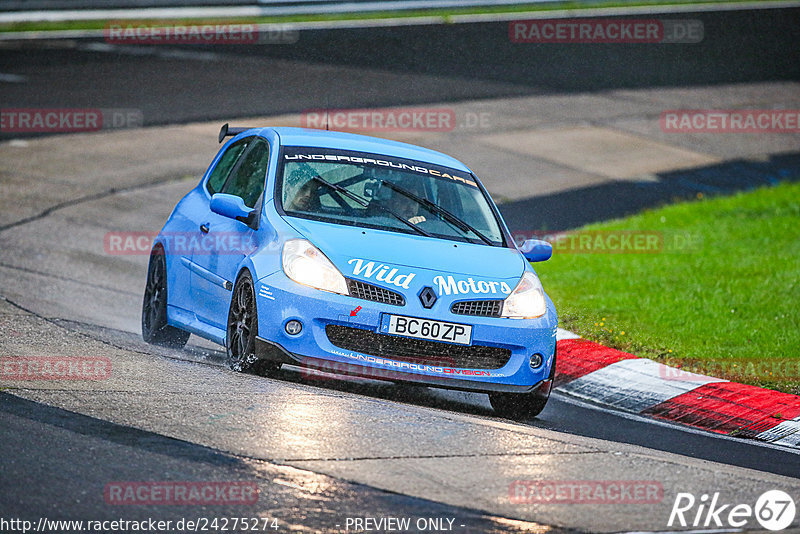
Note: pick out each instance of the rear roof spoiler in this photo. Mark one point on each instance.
(226, 131)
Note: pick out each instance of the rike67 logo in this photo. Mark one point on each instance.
(773, 510)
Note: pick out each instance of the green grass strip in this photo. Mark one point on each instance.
(728, 305)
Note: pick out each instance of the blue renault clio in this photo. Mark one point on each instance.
(356, 255)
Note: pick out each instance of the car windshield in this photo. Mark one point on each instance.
(388, 193)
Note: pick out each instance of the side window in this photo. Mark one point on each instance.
(247, 181)
(225, 164)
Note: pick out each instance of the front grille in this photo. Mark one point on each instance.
(363, 290)
(484, 308)
(417, 350)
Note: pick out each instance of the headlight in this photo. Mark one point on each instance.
(527, 299)
(306, 264)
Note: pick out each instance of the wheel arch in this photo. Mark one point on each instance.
(246, 265)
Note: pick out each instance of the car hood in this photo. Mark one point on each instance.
(372, 255)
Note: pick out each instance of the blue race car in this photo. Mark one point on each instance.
(356, 255)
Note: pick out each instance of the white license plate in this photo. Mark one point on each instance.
(428, 329)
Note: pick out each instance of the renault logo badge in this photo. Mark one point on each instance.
(427, 297)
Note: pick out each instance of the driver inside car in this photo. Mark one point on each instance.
(407, 207)
(399, 203)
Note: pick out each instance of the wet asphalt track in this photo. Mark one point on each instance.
(320, 450)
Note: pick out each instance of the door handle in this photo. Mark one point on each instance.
(204, 228)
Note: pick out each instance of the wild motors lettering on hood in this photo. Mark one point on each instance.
(381, 272)
(451, 286)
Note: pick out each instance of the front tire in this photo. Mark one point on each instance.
(524, 405)
(240, 338)
(155, 329)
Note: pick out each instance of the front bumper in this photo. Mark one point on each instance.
(281, 300)
(267, 350)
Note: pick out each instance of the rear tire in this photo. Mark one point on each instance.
(524, 405)
(240, 338)
(155, 329)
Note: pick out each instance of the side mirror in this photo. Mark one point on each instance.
(536, 250)
(231, 206)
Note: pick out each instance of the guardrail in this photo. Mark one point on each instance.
(302, 6)
(31, 5)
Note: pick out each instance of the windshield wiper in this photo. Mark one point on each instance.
(365, 203)
(452, 219)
